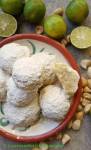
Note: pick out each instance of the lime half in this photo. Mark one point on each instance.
(81, 37)
(8, 25)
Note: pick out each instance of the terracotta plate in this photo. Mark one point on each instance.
(44, 128)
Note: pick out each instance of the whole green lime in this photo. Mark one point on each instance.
(77, 11)
(55, 26)
(13, 7)
(0, 4)
(34, 11)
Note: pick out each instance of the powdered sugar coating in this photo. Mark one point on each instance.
(3, 88)
(54, 102)
(9, 53)
(34, 71)
(19, 97)
(22, 116)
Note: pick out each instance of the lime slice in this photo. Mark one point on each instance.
(8, 25)
(81, 37)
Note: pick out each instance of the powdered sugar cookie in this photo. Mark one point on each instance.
(19, 97)
(9, 53)
(54, 102)
(22, 116)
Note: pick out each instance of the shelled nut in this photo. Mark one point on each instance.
(81, 99)
(59, 11)
(64, 42)
(68, 38)
(87, 90)
(80, 115)
(85, 102)
(39, 29)
(66, 138)
(89, 72)
(89, 83)
(79, 107)
(76, 125)
(84, 81)
(85, 63)
(87, 108)
(87, 96)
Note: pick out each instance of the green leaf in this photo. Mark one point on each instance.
(4, 122)
(21, 128)
(1, 109)
(33, 46)
(42, 49)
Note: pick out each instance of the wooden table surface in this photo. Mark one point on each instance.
(80, 140)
